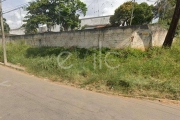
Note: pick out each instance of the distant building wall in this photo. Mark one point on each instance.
(55, 28)
(140, 37)
(102, 20)
(19, 31)
(95, 21)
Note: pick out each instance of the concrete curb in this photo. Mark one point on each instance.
(13, 66)
(161, 100)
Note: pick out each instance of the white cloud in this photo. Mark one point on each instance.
(14, 19)
(18, 16)
(9, 22)
(14, 24)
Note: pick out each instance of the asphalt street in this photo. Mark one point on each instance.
(25, 97)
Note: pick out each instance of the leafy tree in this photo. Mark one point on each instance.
(6, 26)
(70, 12)
(143, 14)
(122, 14)
(31, 25)
(168, 12)
(173, 26)
(52, 12)
(164, 9)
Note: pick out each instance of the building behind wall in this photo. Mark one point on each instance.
(18, 31)
(95, 22)
(87, 23)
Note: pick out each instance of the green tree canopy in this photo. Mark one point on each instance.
(143, 14)
(6, 26)
(54, 12)
(164, 9)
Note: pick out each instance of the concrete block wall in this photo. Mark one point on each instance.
(140, 37)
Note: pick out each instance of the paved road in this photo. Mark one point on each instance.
(24, 97)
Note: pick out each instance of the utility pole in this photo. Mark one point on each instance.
(3, 34)
(174, 23)
(132, 14)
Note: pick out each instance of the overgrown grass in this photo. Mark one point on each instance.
(153, 73)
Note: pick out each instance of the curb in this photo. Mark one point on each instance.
(161, 100)
(13, 66)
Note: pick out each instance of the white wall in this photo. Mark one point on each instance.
(20, 31)
(95, 21)
(140, 37)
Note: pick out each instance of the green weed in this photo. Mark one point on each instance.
(153, 73)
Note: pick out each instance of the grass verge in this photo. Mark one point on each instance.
(153, 73)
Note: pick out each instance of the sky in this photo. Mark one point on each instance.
(95, 8)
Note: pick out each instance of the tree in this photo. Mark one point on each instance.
(70, 12)
(143, 14)
(174, 23)
(6, 26)
(164, 9)
(54, 12)
(31, 25)
(122, 14)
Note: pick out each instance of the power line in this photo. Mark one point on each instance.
(17, 7)
(10, 8)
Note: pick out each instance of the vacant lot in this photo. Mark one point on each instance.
(153, 73)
